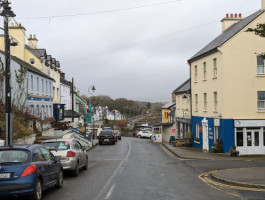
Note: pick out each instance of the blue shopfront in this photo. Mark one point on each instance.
(207, 130)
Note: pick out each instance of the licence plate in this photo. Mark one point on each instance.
(106, 140)
(5, 175)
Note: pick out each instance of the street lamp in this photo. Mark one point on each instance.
(7, 13)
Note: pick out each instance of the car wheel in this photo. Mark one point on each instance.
(139, 136)
(86, 165)
(76, 171)
(120, 138)
(113, 142)
(37, 195)
(150, 137)
(59, 183)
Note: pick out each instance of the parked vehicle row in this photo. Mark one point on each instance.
(31, 169)
(143, 134)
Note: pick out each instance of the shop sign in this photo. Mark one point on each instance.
(249, 123)
(216, 122)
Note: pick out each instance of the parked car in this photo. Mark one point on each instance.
(136, 133)
(28, 170)
(73, 155)
(144, 134)
(107, 137)
(117, 134)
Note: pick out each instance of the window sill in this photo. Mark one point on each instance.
(196, 111)
(196, 142)
(260, 75)
(204, 80)
(205, 111)
(260, 111)
(215, 111)
(214, 78)
(195, 81)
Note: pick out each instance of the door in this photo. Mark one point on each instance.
(253, 141)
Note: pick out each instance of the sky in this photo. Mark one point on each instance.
(134, 49)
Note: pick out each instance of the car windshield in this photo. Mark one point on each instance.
(58, 145)
(106, 132)
(11, 157)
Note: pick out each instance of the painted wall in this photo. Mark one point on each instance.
(66, 96)
(165, 115)
(183, 106)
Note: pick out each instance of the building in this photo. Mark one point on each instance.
(183, 110)
(168, 112)
(66, 95)
(228, 88)
(31, 88)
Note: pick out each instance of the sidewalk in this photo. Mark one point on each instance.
(197, 154)
(253, 177)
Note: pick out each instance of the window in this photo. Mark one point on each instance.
(31, 82)
(205, 101)
(260, 65)
(239, 138)
(197, 130)
(38, 110)
(47, 155)
(54, 92)
(57, 93)
(261, 100)
(204, 71)
(215, 68)
(42, 85)
(38, 85)
(195, 72)
(263, 136)
(37, 156)
(196, 102)
(215, 100)
(216, 132)
(249, 139)
(46, 87)
(256, 138)
(50, 89)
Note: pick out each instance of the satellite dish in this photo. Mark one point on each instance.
(32, 61)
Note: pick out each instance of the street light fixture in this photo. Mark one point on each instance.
(7, 13)
(93, 106)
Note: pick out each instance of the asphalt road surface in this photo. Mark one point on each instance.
(138, 169)
(135, 169)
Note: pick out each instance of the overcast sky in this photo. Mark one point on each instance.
(136, 49)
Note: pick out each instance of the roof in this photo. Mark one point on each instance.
(38, 52)
(29, 67)
(225, 36)
(168, 105)
(185, 87)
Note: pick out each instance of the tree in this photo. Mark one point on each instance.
(260, 31)
(148, 105)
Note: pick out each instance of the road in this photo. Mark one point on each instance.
(137, 169)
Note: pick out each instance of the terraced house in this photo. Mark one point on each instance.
(228, 88)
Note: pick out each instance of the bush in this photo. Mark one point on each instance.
(217, 146)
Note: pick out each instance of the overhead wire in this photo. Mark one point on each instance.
(101, 12)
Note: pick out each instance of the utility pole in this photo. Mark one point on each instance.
(73, 112)
(6, 13)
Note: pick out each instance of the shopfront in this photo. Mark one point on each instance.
(250, 136)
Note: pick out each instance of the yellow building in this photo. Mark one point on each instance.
(228, 88)
(29, 52)
(183, 111)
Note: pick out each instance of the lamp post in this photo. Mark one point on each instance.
(7, 13)
(93, 106)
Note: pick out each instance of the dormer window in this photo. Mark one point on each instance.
(260, 65)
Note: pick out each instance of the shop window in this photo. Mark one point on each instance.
(249, 139)
(216, 134)
(256, 135)
(239, 139)
(197, 131)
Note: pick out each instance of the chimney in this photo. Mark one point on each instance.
(32, 42)
(231, 19)
(17, 31)
(262, 4)
(62, 75)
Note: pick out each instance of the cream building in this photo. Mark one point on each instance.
(228, 88)
(183, 111)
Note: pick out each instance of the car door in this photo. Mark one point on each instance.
(77, 148)
(82, 153)
(52, 166)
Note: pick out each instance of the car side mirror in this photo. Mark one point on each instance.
(57, 158)
(85, 148)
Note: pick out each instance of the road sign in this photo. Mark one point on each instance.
(154, 137)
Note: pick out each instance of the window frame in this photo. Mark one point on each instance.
(205, 101)
(204, 71)
(258, 101)
(196, 73)
(215, 68)
(258, 66)
(215, 101)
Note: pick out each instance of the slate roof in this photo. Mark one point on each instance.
(168, 105)
(38, 52)
(185, 87)
(28, 66)
(225, 36)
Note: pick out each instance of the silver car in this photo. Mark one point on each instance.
(73, 155)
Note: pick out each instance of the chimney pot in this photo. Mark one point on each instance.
(19, 25)
(227, 15)
(30, 36)
(236, 15)
(231, 16)
(240, 15)
(34, 36)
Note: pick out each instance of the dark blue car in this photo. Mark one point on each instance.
(28, 170)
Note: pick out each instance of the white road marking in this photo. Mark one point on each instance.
(110, 192)
(115, 173)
